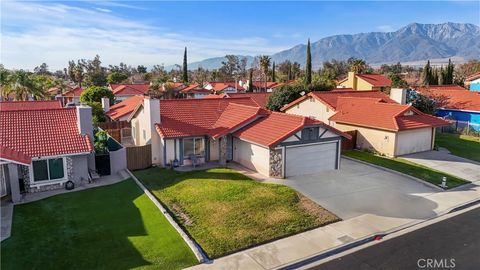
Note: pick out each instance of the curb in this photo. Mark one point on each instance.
(201, 256)
(396, 172)
(368, 239)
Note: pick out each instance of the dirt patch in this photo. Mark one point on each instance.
(322, 215)
(182, 215)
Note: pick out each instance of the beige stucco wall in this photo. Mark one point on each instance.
(412, 141)
(374, 139)
(252, 156)
(311, 107)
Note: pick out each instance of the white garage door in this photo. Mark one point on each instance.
(413, 141)
(311, 158)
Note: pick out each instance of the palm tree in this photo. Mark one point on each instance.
(265, 64)
(24, 85)
(358, 66)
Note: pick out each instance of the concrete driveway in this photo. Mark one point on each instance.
(358, 189)
(444, 161)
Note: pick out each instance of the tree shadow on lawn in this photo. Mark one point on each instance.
(96, 228)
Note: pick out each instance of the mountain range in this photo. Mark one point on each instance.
(414, 42)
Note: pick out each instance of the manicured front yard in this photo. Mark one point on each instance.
(460, 145)
(225, 211)
(407, 167)
(111, 227)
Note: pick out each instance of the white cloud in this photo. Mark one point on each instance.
(386, 28)
(103, 10)
(35, 32)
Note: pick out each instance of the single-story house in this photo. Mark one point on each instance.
(43, 146)
(382, 125)
(71, 96)
(195, 91)
(123, 91)
(472, 82)
(366, 82)
(194, 131)
(224, 87)
(259, 98)
(456, 103)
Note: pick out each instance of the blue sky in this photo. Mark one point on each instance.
(155, 32)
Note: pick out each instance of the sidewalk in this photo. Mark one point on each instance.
(326, 240)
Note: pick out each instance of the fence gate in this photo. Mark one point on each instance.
(102, 164)
(139, 157)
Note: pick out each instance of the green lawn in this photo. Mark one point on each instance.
(225, 211)
(111, 227)
(460, 145)
(407, 167)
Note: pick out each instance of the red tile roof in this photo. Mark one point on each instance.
(453, 97)
(259, 98)
(125, 107)
(375, 79)
(210, 96)
(220, 86)
(473, 77)
(194, 88)
(271, 85)
(330, 98)
(129, 89)
(276, 127)
(47, 132)
(375, 113)
(29, 105)
(75, 92)
(195, 117)
(15, 156)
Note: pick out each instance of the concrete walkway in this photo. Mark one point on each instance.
(331, 238)
(7, 206)
(444, 161)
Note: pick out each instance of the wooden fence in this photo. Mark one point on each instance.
(139, 157)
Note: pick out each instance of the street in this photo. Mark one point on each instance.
(450, 244)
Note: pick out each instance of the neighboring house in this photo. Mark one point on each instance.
(195, 91)
(43, 146)
(71, 96)
(224, 87)
(472, 82)
(366, 82)
(121, 111)
(186, 131)
(124, 91)
(260, 86)
(456, 103)
(259, 98)
(382, 124)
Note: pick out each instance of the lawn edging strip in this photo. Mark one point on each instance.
(397, 172)
(199, 254)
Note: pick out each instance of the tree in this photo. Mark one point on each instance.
(397, 81)
(141, 69)
(23, 84)
(428, 76)
(76, 71)
(273, 72)
(308, 65)
(250, 80)
(185, 68)
(95, 94)
(284, 95)
(334, 69)
(95, 74)
(230, 67)
(42, 69)
(422, 102)
(265, 64)
(116, 77)
(464, 70)
(357, 65)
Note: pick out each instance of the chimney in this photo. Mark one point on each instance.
(105, 104)
(151, 107)
(399, 95)
(85, 127)
(352, 80)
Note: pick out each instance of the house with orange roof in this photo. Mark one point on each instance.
(123, 91)
(195, 91)
(44, 146)
(71, 96)
(224, 87)
(472, 82)
(366, 82)
(188, 132)
(381, 124)
(259, 98)
(455, 103)
(122, 110)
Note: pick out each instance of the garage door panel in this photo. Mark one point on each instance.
(310, 159)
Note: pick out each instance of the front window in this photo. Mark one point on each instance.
(193, 146)
(48, 169)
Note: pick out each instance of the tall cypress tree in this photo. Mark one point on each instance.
(185, 68)
(427, 74)
(308, 65)
(250, 80)
(273, 72)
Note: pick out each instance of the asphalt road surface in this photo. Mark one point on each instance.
(453, 243)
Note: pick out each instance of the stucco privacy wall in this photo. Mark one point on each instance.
(311, 107)
(118, 160)
(252, 156)
(416, 140)
(373, 139)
